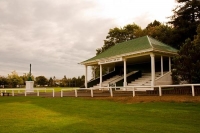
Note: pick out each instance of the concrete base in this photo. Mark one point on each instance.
(29, 86)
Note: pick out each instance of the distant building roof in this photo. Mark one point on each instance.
(135, 46)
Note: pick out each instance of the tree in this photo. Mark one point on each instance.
(14, 79)
(154, 24)
(54, 81)
(41, 80)
(161, 32)
(187, 63)
(118, 35)
(50, 82)
(185, 20)
(64, 81)
(3, 81)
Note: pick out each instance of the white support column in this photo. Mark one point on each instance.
(161, 65)
(152, 69)
(125, 81)
(100, 84)
(169, 64)
(85, 76)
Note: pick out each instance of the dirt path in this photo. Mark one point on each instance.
(141, 99)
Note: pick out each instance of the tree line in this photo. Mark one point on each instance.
(181, 32)
(13, 80)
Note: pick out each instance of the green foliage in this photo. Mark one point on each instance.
(153, 24)
(118, 35)
(3, 81)
(187, 63)
(50, 82)
(41, 80)
(185, 20)
(160, 32)
(14, 79)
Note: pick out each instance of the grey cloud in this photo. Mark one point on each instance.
(52, 35)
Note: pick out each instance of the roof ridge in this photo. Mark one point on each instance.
(162, 42)
(149, 41)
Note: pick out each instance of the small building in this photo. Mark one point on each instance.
(143, 61)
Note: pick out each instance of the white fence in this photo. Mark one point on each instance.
(134, 89)
(38, 90)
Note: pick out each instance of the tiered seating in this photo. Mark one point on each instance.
(145, 80)
(113, 80)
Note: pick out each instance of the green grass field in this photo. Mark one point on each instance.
(85, 115)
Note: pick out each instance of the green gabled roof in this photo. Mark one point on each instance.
(135, 45)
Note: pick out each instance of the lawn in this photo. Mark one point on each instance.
(86, 115)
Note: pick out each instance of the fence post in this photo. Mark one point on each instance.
(92, 92)
(38, 92)
(53, 92)
(193, 94)
(111, 92)
(25, 93)
(133, 91)
(12, 92)
(160, 91)
(76, 94)
(61, 95)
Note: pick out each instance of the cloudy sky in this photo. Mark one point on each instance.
(55, 35)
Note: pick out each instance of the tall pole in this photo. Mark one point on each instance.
(30, 69)
(29, 78)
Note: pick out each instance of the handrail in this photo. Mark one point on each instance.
(120, 78)
(99, 77)
(162, 76)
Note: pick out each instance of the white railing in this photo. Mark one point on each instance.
(26, 92)
(38, 91)
(13, 91)
(134, 88)
(91, 90)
